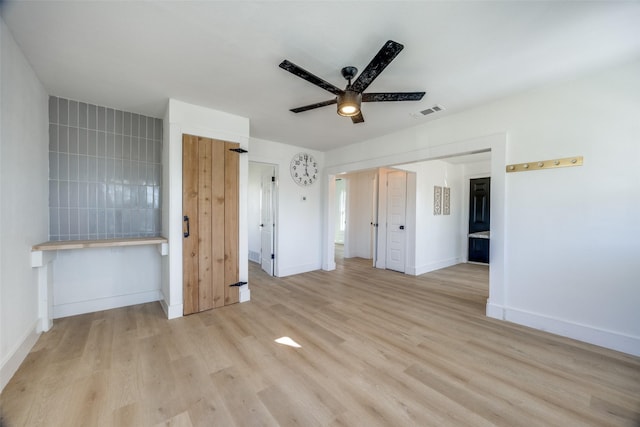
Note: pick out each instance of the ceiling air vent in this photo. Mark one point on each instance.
(432, 110)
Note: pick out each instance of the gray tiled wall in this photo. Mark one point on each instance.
(105, 172)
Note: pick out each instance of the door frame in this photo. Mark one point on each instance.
(181, 118)
(406, 231)
(274, 226)
(354, 185)
(496, 144)
(380, 243)
(211, 200)
(464, 240)
(375, 217)
(274, 200)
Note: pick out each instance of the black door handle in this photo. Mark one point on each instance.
(186, 219)
(402, 227)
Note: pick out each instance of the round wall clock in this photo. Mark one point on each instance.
(304, 169)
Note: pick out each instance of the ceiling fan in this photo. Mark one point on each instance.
(352, 96)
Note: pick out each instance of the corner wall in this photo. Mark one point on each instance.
(254, 202)
(299, 210)
(569, 236)
(104, 183)
(181, 118)
(24, 195)
(437, 237)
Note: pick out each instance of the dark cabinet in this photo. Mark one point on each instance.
(478, 250)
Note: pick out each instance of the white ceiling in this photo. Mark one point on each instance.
(134, 55)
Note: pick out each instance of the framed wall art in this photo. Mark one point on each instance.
(446, 201)
(437, 200)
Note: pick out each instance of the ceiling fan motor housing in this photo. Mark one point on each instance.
(349, 73)
(349, 103)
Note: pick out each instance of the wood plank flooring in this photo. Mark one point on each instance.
(378, 348)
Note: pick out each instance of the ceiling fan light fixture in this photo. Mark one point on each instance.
(349, 100)
(349, 103)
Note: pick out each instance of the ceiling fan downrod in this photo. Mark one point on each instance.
(349, 73)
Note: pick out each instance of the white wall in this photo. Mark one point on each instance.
(182, 118)
(299, 222)
(480, 169)
(570, 236)
(24, 169)
(437, 237)
(89, 280)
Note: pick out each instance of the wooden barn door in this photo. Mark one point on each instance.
(210, 190)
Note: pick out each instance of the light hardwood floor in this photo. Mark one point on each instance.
(377, 349)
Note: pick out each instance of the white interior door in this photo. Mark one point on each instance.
(396, 219)
(267, 222)
(374, 219)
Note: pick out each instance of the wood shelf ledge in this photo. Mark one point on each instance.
(104, 243)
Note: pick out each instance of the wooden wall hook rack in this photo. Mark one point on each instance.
(546, 164)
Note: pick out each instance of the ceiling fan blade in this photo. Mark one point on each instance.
(358, 118)
(392, 96)
(316, 105)
(379, 62)
(304, 74)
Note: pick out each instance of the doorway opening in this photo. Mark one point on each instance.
(262, 215)
(410, 231)
(356, 215)
(479, 219)
(372, 218)
(341, 217)
(494, 146)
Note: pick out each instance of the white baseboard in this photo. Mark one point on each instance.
(589, 334)
(173, 311)
(245, 293)
(495, 311)
(329, 266)
(426, 268)
(16, 356)
(254, 256)
(297, 269)
(81, 307)
(177, 310)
